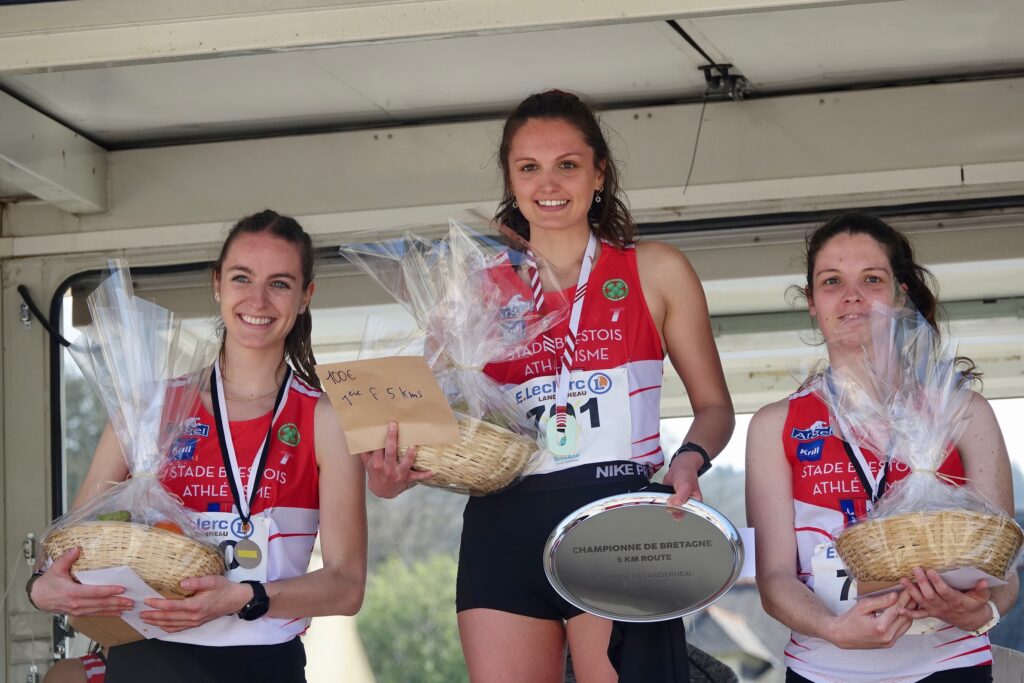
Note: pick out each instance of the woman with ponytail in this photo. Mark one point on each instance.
(635, 303)
(263, 459)
(806, 478)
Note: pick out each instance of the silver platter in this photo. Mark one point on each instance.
(628, 558)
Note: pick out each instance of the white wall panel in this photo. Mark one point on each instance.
(113, 32)
(923, 143)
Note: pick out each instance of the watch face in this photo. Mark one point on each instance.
(258, 606)
(254, 610)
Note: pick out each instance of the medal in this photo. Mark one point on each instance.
(562, 431)
(564, 441)
(247, 553)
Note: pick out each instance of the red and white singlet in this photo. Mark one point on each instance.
(95, 668)
(615, 386)
(286, 507)
(827, 495)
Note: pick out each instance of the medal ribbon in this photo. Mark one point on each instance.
(242, 495)
(563, 365)
(874, 484)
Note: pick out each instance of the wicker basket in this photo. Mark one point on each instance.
(888, 549)
(160, 558)
(486, 459)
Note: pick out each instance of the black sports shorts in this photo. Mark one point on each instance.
(158, 661)
(967, 674)
(501, 562)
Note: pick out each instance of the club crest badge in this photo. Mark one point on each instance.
(615, 289)
(288, 434)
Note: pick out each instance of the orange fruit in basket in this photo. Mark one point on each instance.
(168, 525)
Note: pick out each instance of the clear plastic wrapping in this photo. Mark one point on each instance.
(148, 372)
(471, 298)
(905, 399)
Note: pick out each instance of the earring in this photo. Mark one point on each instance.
(216, 297)
(515, 204)
(597, 196)
(302, 309)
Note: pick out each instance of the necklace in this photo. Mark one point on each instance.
(245, 399)
(249, 398)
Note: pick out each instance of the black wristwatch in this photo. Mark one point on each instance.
(691, 446)
(28, 586)
(258, 606)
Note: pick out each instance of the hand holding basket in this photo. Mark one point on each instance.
(472, 301)
(148, 373)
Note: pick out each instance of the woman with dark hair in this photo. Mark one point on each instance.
(263, 455)
(632, 303)
(804, 481)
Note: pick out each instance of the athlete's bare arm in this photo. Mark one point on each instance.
(987, 467)
(56, 591)
(338, 587)
(108, 466)
(784, 596)
(677, 304)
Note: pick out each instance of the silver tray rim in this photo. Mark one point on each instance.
(642, 499)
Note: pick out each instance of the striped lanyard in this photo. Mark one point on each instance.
(563, 363)
(243, 495)
(874, 484)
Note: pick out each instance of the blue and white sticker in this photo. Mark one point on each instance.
(810, 451)
(818, 430)
(184, 449)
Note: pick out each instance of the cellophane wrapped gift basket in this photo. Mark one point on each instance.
(472, 299)
(147, 371)
(906, 400)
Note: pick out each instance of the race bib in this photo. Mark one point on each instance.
(244, 546)
(832, 584)
(925, 625)
(597, 423)
(837, 589)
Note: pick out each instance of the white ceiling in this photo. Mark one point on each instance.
(867, 44)
(383, 84)
(468, 76)
(139, 98)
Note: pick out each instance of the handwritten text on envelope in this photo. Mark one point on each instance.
(367, 394)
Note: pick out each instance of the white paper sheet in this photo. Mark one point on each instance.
(962, 579)
(136, 590)
(747, 534)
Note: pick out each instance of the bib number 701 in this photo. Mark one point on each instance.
(590, 407)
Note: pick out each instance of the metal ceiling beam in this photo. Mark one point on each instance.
(67, 35)
(802, 153)
(49, 161)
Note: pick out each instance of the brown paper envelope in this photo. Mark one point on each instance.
(868, 588)
(107, 631)
(367, 394)
(111, 631)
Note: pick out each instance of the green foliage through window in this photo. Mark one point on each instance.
(408, 624)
